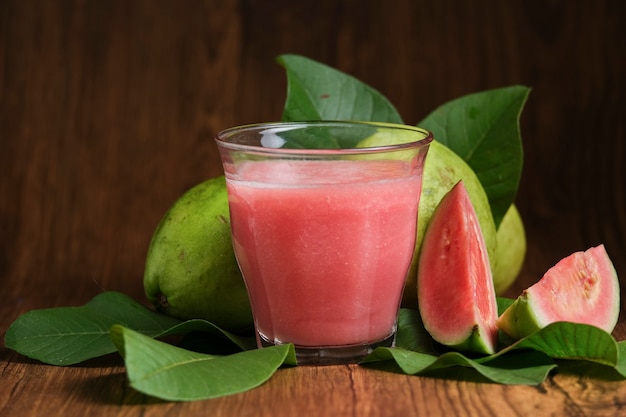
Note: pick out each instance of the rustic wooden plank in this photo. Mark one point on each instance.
(101, 388)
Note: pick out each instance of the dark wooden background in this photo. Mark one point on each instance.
(108, 108)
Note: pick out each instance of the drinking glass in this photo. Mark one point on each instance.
(323, 219)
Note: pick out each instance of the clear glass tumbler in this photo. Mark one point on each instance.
(323, 220)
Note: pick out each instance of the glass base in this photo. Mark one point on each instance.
(333, 355)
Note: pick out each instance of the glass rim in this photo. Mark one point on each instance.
(222, 136)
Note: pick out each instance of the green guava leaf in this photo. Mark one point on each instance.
(416, 353)
(168, 372)
(503, 303)
(571, 341)
(318, 92)
(621, 358)
(483, 129)
(411, 334)
(527, 361)
(69, 335)
(206, 327)
(530, 368)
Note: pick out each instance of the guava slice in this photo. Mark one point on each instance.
(455, 292)
(581, 288)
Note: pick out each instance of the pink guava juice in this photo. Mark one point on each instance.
(324, 246)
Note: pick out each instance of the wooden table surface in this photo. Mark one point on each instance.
(107, 109)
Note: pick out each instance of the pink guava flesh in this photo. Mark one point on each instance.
(455, 289)
(581, 288)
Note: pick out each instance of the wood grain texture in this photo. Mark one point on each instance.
(107, 112)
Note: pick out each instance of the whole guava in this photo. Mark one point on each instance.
(443, 169)
(510, 250)
(191, 271)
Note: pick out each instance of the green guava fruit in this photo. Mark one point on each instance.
(581, 288)
(510, 250)
(442, 171)
(455, 292)
(191, 271)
